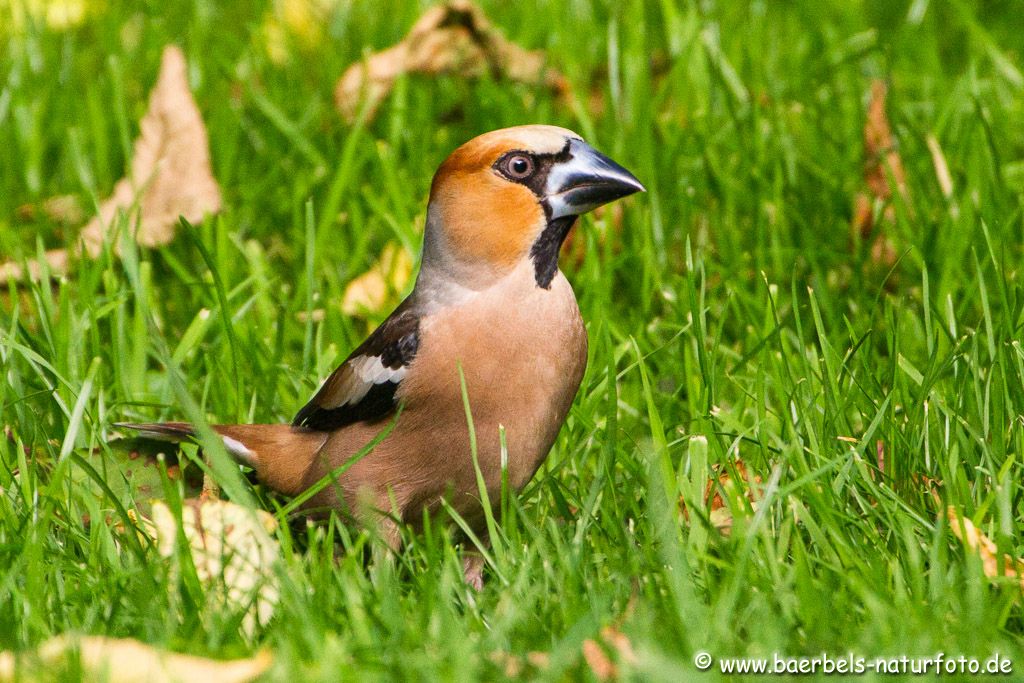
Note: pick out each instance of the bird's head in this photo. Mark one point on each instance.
(511, 196)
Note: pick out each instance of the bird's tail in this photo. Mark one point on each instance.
(279, 453)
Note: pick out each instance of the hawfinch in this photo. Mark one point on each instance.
(489, 302)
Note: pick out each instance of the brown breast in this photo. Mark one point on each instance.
(523, 351)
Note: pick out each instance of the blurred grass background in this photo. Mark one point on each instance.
(734, 315)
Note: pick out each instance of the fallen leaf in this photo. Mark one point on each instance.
(372, 291)
(882, 161)
(746, 486)
(597, 659)
(930, 486)
(55, 260)
(169, 175)
(170, 170)
(986, 548)
(64, 208)
(720, 513)
(125, 660)
(455, 37)
(233, 553)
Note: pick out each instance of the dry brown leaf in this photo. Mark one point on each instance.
(169, 175)
(986, 548)
(929, 485)
(381, 284)
(882, 160)
(455, 37)
(597, 659)
(63, 208)
(719, 512)
(748, 486)
(170, 171)
(124, 660)
(56, 261)
(233, 553)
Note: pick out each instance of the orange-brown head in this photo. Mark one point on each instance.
(510, 195)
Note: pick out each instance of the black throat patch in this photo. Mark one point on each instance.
(544, 252)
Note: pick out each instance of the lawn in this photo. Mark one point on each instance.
(869, 381)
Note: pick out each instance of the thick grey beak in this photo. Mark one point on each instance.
(586, 181)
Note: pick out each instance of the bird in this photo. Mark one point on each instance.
(490, 322)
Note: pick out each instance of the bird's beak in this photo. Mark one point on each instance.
(585, 181)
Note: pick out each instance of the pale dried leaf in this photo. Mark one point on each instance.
(169, 175)
(170, 170)
(986, 548)
(597, 659)
(452, 38)
(233, 553)
(372, 291)
(929, 485)
(63, 208)
(56, 263)
(748, 486)
(124, 660)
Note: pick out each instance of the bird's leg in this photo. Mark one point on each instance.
(473, 568)
(473, 562)
(390, 533)
(384, 556)
(374, 511)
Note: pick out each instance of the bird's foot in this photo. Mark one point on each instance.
(473, 569)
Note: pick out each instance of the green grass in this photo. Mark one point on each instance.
(732, 317)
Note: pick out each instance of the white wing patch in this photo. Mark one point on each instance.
(366, 371)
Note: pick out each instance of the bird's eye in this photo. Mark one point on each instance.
(519, 166)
